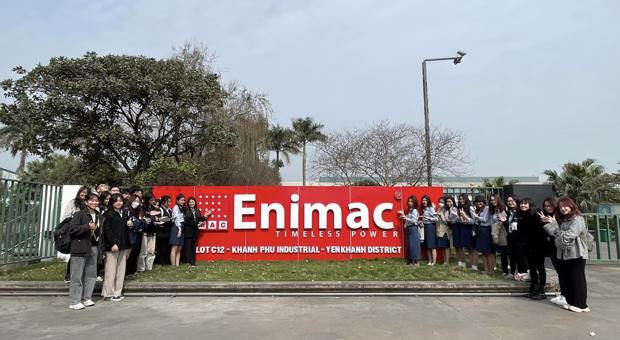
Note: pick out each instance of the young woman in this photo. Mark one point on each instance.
(116, 228)
(147, 250)
(162, 233)
(176, 233)
(192, 222)
(429, 219)
(549, 208)
(448, 214)
(568, 228)
(136, 214)
(535, 239)
(104, 200)
(412, 231)
(484, 216)
(462, 233)
(75, 205)
(85, 231)
(516, 247)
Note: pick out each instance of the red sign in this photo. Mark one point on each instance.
(298, 223)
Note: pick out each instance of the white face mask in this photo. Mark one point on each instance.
(135, 205)
(441, 204)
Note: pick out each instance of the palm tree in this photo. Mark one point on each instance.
(10, 136)
(587, 183)
(283, 142)
(497, 182)
(307, 131)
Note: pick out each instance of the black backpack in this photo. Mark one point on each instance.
(62, 239)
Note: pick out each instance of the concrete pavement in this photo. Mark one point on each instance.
(318, 317)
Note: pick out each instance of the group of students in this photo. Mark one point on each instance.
(520, 233)
(120, 233)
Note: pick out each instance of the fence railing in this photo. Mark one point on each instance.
(28, 214)
(472, 192)
(604, 227)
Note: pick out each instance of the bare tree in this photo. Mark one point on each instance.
(388, 154)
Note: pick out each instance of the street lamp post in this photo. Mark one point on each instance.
(427, 132)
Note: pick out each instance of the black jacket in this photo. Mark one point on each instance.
(115, 230)
(534, 235)
(163, 230)
(190, 224)
(81, 236)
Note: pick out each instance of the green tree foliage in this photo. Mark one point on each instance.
(122, 111)
(497, 182)
(587, 183)
(169, 172)
(282, 141)
(128, 113)
(307, 131)
(63, 169)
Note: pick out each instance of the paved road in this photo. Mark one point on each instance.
(318, 317)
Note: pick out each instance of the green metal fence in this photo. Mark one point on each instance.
(604, 227)
(28, 214)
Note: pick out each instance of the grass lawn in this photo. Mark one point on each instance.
(365, 270)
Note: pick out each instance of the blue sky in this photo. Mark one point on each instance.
(537, 88)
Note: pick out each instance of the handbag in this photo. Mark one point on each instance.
(499, 234)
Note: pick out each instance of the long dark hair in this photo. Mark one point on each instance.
(479, 198)
(499, 204)
(77, 201)
(531, 210)
(428, 200)
(415, 203)
(466, 206)
(137, 211)
(552, 202)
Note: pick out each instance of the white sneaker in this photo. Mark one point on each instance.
(99, 279)
(474, 268)
(559, 300)
(88, 303)
(578, 310)
(77, 306)
(117, 298)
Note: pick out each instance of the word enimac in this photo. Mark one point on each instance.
(358, 216)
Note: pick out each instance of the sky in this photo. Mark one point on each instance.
(538, 86)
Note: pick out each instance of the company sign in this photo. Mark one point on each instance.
(297, 223)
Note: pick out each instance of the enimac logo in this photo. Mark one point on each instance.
(358, 215)
(216, 204)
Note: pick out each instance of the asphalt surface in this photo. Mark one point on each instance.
(318, 317)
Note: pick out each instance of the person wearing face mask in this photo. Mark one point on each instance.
(136, 214)
(84, 230)
(116, 229)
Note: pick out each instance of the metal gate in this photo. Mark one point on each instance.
(28, 214)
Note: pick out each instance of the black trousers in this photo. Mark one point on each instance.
(162, 250)
(188, 254)
(556, 265)
(538, 275)
(572, 275)
(132, 260)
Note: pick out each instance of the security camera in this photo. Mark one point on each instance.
(461, 53)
